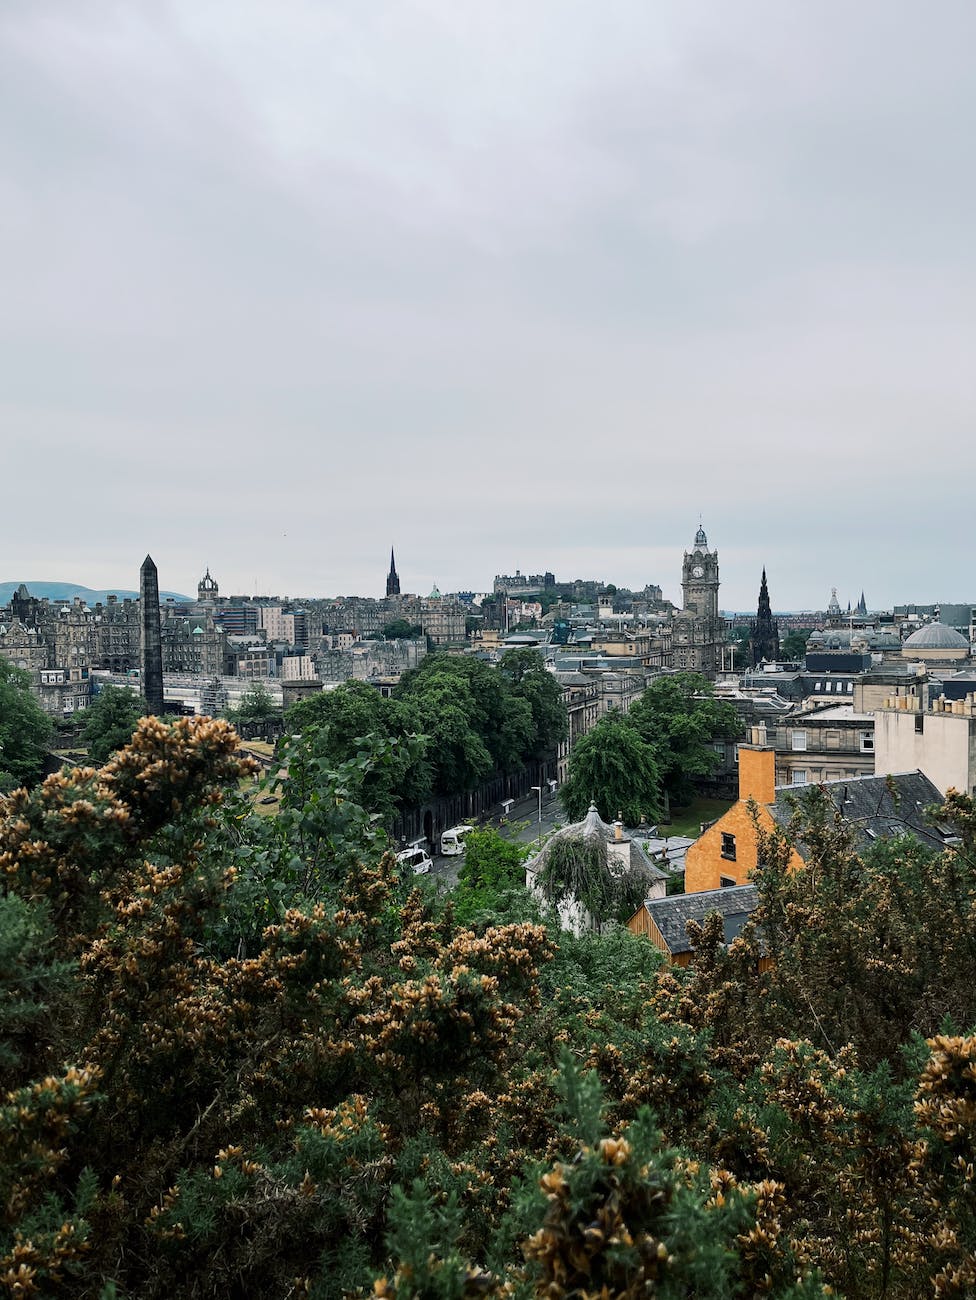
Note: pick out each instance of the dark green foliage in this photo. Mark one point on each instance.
(31, 976)
(110, 720)
(345, 1089)
(25, 729)
(402, 630)
(491, 869)
(615, 768)
(794, 644)
(255, 705)
(679, 717)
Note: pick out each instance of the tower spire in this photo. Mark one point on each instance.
(764, 630)
(392, 578)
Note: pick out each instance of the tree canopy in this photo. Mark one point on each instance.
(401, 629)
(679, 717)
(25, 729)
(255, 705)
(615, 768)
(110, 720)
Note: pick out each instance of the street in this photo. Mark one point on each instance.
(520, 823)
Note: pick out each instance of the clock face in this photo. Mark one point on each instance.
(698, 571)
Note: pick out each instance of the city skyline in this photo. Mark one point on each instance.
(517, 286)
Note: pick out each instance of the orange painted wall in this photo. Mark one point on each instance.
(704, 863)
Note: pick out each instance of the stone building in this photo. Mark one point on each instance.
(56, 645)
(193, 645)
(698, 631)
(939, 737)
(117, 630)
(442, 619)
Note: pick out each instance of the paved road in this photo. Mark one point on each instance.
(520, 823)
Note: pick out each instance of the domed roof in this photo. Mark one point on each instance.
(936, 636)
(700, 538)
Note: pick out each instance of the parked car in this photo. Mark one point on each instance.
(417, 859)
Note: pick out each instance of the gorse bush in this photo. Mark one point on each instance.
(238, 1060)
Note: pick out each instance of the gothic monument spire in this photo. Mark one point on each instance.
(763, 630)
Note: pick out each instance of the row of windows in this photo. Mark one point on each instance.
(803, 776)
(865, 739)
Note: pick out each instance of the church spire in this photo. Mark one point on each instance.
(392, 578)
(764, 630)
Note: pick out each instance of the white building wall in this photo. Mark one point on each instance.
(942, 745)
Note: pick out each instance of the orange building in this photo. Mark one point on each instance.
(876, 807)
(665, 920)
(726, 854)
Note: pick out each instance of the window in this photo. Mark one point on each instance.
(919, 724)
(798, 775)
(866, 739)
(727, 882)
(799, 739)
(728, 846)
(850, 688)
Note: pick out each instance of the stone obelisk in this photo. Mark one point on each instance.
(152, 641)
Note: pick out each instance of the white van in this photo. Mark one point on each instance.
(452, 841)
(416, 858)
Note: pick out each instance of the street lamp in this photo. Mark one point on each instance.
(539, 788)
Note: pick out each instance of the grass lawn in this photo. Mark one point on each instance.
(687, 821)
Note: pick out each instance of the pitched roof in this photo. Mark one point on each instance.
(593, 829)
(876, 807)
(671, 915)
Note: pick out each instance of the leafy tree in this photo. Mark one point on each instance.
(110, 720)
(255, 705)
(613, 767)
(679, 717)
(338, 726)
(354, 1090)
(492, 867)
(401, 629)
(475, 723)
(794, 644)
(529, 680)
(24, 729)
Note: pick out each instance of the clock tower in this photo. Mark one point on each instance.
(698, 628)
(699, 579)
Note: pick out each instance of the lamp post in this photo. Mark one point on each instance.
(539, 789)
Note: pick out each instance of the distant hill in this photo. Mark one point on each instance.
(68, 590)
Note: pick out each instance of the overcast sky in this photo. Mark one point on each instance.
(525, 283)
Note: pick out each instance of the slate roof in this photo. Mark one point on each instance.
(877, 807)
(594, 828)
(671, 915)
